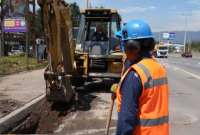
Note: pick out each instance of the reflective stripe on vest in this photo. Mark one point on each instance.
(153, 122)
(155, 82)
(152, 82)
(146, 71)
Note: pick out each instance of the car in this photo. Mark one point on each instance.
(186, 55)
(16, 49)
(177, 51)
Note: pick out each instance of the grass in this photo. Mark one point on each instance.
(18, 63)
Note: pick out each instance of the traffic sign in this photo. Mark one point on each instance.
(168, 35)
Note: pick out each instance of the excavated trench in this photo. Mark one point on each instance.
(46, 116)
(7, 106)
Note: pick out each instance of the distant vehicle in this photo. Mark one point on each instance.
(177, 50)
(162, 51)
(187, 54)
(16, 49)
(187, 51)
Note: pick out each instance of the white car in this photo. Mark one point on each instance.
(16, 50)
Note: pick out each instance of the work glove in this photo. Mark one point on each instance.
(113, 89)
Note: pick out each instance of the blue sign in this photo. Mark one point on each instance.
(169, 35)
(172, 35)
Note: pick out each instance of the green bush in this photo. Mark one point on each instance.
(18, 63)
(196, 46)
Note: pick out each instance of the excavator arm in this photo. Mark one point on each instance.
(57, 26)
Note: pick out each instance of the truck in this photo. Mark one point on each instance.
(162, 50)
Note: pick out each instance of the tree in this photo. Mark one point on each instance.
(76, 15)
(38, 23)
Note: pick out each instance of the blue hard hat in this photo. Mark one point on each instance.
(118, 34)
(136, 29)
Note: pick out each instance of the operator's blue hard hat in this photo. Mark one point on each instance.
(118, 34)
(136, 29)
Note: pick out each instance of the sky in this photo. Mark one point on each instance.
(162, 15)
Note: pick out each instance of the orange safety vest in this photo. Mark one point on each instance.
(153, 102)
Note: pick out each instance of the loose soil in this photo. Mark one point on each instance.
(7, 106)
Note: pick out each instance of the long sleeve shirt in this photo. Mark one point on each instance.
(127, 117)
(131, 90)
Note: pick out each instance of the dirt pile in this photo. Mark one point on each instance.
(7, 106)
(44, 119)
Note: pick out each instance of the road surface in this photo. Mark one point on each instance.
(184, 82)
(18, 89)
(89, 117)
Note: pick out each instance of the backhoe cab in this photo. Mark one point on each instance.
(97, 38)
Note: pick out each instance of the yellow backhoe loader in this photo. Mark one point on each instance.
(70, 62)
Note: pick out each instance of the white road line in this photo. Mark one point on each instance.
(74, 116)
(192, 117)
(60, 128)
(92, 131)
(187, 72)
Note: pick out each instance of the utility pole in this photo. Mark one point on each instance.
(185, 34)
(159, 37)
(87, 3)
(32, 34)
(2, 33)
(27, 33)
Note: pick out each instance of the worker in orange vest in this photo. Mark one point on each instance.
(142, 94)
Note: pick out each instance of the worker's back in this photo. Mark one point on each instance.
(153, 102)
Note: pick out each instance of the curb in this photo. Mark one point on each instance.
(14, 118)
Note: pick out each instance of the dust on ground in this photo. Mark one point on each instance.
(91, 119)
(45, 118)
(84, 116)
(23, 87)
(18, 89)
(7, 106)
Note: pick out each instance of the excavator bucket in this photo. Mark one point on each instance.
(58, 29)
(58, 88)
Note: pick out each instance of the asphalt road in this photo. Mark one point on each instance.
(184, 82)
(90, 115)
(19, 89)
